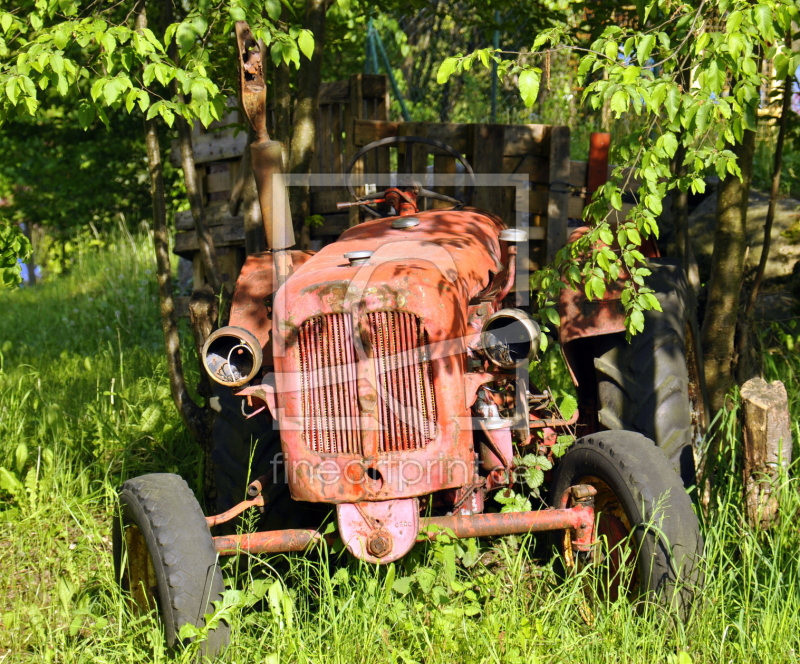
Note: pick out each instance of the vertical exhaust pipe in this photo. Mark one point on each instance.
(267, 154)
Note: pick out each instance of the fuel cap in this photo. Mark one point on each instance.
(358, 257)
(401, 223)
(513, 235)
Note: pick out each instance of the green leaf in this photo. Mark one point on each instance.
(637, 320)
(567, 406)
(529, 85)
(12, 90)
(446, 70)
(85, 114)
(733, 22)
(5, 21)
(305, 41)
(619, 102)
(673, 102)
(273, 8)
(644, 48)
(670, 144)
(762, 13)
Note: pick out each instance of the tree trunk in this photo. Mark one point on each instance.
(727, 271)
(282, 131)
(205, 240)
(304, 134)
(750, 364)
(194, 418)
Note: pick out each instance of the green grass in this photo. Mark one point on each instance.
(84, 404)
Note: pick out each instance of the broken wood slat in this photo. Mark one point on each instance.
(558, 202)
(224, 236)
(767, 447)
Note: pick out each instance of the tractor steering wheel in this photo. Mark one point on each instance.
(422, 192)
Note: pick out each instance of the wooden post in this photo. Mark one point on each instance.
(767, 443)
(558, 202)
(352, 112)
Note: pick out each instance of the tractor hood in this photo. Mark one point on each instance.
(369, 356)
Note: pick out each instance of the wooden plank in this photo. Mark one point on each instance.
(224, 236)
(523, 140)
(324, 201)
(219, 181)
(334, 92)
(216, 215)
(367, 131)
(353, 113)
(488, 158)
(373, 86)
(214, 146)
(457, 136)
(558, 203)
(336, 138)
(443, 165)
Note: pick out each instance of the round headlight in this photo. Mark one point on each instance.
(232, 356)
(510, 338)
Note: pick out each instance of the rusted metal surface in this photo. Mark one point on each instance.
(267, 155)
(597, 166)
(251, 307)
(579, 518)
(413, 296)
(234, 511)
(252, 87)
(379, 532)
(386, 531)
(271, 541)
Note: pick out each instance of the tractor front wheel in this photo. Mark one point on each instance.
(648, 537)
(164, 556)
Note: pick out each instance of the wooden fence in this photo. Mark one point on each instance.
(352, 113)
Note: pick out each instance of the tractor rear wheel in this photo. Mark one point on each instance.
(164, 556)
(654, 384)
(649, 541)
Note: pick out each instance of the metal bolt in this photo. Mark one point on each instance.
(379, 545)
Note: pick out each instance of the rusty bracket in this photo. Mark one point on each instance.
(235, 511)
(252, 86)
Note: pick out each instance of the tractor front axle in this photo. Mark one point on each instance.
(579, 518)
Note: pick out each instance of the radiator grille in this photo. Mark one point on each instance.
(405, 383)
(406, 404)
(330, 397)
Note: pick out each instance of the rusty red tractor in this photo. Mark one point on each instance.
(385, 377)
